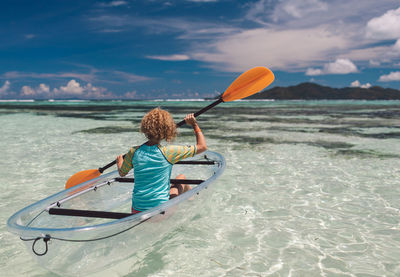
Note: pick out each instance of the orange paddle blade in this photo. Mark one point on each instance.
(250, 82)
(81, 177)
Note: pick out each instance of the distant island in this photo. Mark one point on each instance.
(312, 91)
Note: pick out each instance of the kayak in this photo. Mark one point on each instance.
(89, 227)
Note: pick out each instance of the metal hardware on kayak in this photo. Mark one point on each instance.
(79, 192)
(119, 180)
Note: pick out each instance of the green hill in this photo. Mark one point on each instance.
(312, 91)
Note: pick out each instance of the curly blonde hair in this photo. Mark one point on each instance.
(158, 124)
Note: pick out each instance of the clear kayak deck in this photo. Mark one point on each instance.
(92, 228)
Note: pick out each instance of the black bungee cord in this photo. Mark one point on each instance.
(47, 238)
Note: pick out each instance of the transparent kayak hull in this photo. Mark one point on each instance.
(77, 246)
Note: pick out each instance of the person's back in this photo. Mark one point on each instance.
(152, 174)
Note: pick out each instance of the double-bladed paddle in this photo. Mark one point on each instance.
(249, 83)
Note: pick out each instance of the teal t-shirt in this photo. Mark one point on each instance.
(152, 166)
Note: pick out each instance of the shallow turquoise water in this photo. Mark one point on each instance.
(311, 188)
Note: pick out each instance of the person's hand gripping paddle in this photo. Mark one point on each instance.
(249, 83)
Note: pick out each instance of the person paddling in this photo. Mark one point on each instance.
(152, 163)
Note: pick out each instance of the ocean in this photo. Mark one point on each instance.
(311, 188)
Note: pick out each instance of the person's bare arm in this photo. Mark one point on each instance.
(120, 160)
(200, 139)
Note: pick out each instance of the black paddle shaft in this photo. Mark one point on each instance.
(203, 110)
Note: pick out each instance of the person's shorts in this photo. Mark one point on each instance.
(135, 211)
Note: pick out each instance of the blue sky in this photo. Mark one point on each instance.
(192, 48)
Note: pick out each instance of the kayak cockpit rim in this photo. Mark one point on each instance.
(129, 180)
(103, 214)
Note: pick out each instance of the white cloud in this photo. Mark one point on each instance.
(43, 88)
(300, 9)
(92, 92)
(396, 46)
(27, 91)
(111, 31)
(386, 26)
(118, 3)
(131, 94)
(5, 87)
(22, 75)
(357, 84)
(126, 77)
(95, 75)
(342, 15)
(314, 72)
(176, 57)
(300, 34)
(289, 35)
(374, 63)
(379, 55)
(73, 87)
(186, 29)
(278, 49)
(392, 76)
(30, 36)
(202, 1)
(340, 66)
(114, 4)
